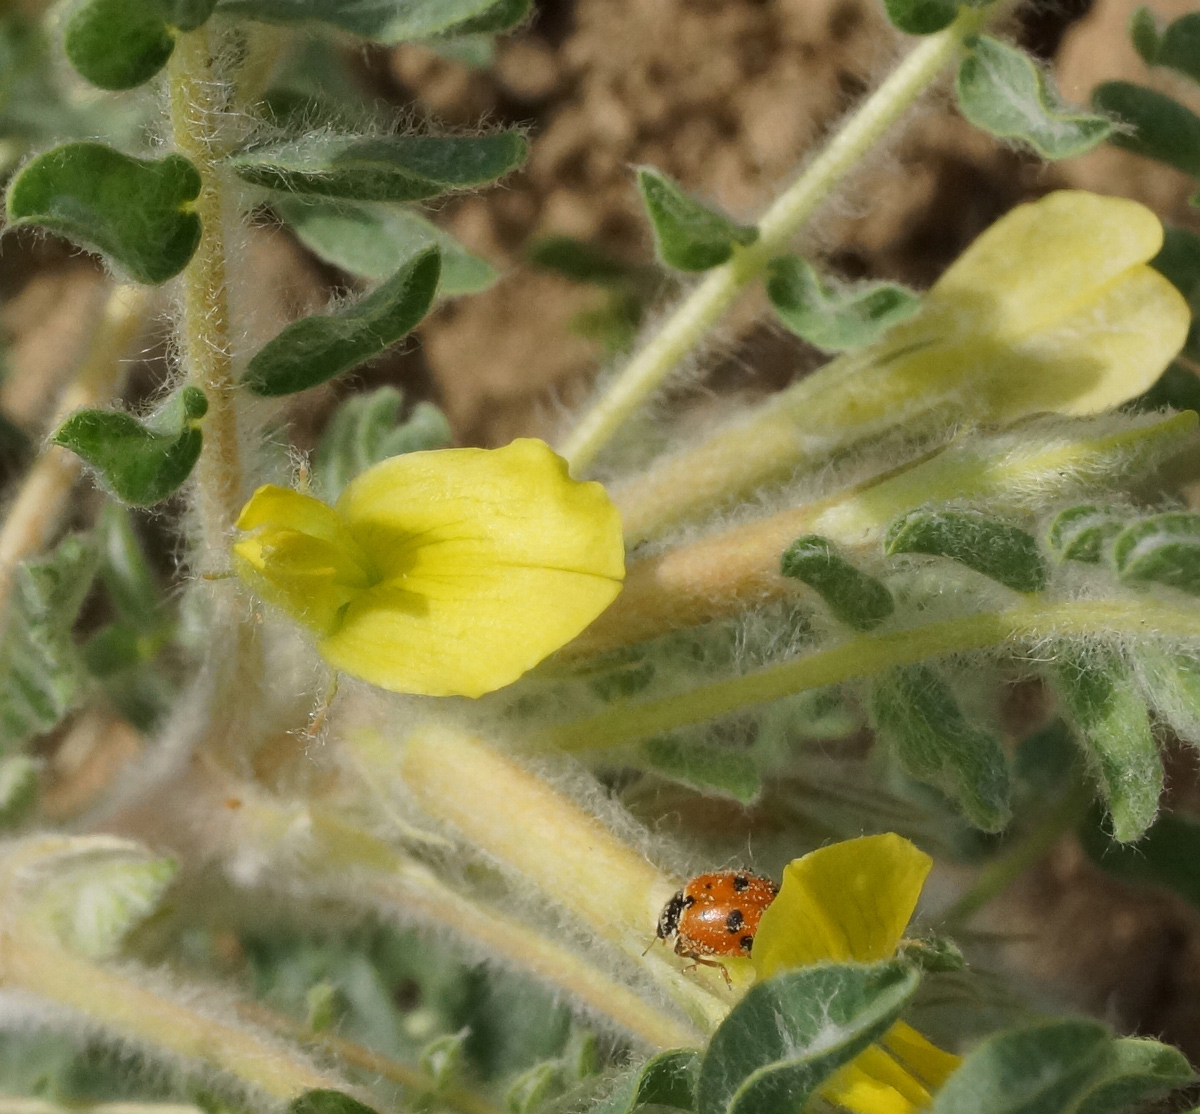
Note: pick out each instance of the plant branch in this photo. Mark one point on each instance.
(705, 305)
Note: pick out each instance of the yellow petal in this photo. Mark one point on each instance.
(855, 1089)
(849, 902)
(490, 559)
(285, 509)
(919, 1057)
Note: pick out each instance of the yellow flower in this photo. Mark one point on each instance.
(445, 573)
(850, 903)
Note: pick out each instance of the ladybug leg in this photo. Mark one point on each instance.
(699, 960)
(656, 940)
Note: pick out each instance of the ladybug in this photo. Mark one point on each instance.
(716, 914)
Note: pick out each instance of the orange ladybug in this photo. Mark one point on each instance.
(716, 914)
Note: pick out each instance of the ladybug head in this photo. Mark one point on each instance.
(668, 921)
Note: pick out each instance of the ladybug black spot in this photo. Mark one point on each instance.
(747, 942)
(734, 921)
(708, 885)
(741, 882)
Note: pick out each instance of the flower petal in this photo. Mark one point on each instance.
(849, 902)
(285, 509)
(920, 1057)
(491, 559)
(856, 1089)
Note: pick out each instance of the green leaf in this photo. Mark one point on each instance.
(1110, 717)
(579, 261)
(835, 317)
(380, 168)
(856, 599)
(916, 712)
(1161, 549)
(118, 44)
(1171, 682)
(996, 549)
(1179, 262)
(139, 462)
(1082, 533)
(1004, 92)
(1143, 32)
(126, 572)
(790, 1033)
(366, 429)
(1167, 856)
(1138, 1070)
(328, 1102)
(187, 15)
(932, 954)
(41, 674)
(668, 1079)
(388, 21)
(315, 349)
(707, 768)
(136, 211)
(1179, 46)
(1038, 1069)
(921, 17)
(534, 1087)
(441, 1058)
(373, 240)
(1158, 127)
(19, 790)
(689, 236)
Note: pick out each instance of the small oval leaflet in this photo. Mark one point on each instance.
(668, 1079)
(136, 211)
(315, 349)
(380, 168)
(1161, 549)
(118, 44)
(689, 236)
(999, 550)
(1159, 127)
(855, 598)
(1081, 533)
(140, 462)
(791, 1032)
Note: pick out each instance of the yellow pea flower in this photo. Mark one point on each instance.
(850, 903)
(442, 573)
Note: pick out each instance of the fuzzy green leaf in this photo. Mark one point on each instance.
(315, 349)
(19, 789)
(125, 570)
(916, 712)
(689, 236)
(388, 21)
(41, 674)
(1143, 32)
(856, 599)
(668, 1079)
(373, 240)
(136, 211)
(832, 317)
(1179, 263)
(1038, 1069)
(366, 429)
(118, 44)
(441, 1058)
(1179, 46)
(328, 1102)
(790, 1033)
(1158, 127)
(1137, 1070)
(380, 168)
(1171, 682)
(1004, 92)
(1082, 533)
(1168, 856)
(707, 768)
(996, 549)
(1111, 719)
(579, 261)
(534, 1087)
(139, 462)
(924, 17)
(1161, 549)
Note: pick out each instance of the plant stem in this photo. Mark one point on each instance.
(204, 333)
(1016, 859)
(42, 498)
(703, 307)
(870, 654)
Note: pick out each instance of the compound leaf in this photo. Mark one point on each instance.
(137, 211)
(139, 462)
(1004, 92)
(380, 168)
(315, 349)
(689, 236)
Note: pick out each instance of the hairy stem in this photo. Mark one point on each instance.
(869, 654)
(706, 304)
(204, 334)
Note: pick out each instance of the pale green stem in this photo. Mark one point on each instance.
(12, 1104)
(700, 311)
(869, 654)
